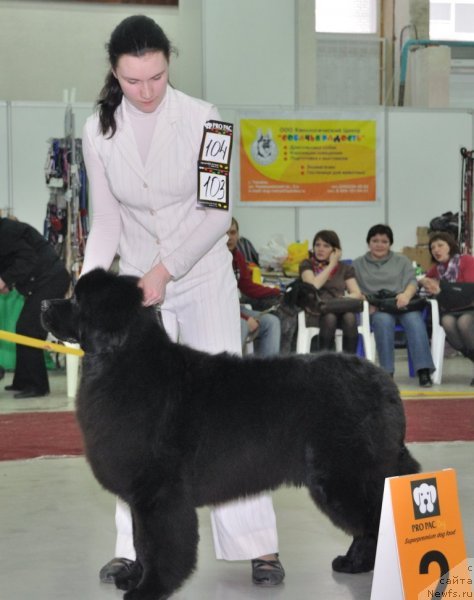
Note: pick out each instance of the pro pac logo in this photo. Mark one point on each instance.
(425, 498)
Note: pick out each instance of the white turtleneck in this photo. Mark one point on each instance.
(143, 125)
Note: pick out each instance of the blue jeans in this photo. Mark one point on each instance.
(383, 325)
(267, 342)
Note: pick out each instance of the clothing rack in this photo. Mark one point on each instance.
(66, 224)
(466, 213)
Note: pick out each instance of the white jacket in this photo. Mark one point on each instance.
(148, 213)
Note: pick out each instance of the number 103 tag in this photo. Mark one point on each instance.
(213, 188)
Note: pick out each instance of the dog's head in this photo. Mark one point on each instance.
(302, 295)
(99, 314)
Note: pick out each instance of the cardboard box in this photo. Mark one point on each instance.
(419, 254)
(409, 252)
(423, 257)
(422, 236)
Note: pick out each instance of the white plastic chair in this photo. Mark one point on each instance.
(73, 363)
(438, 338)
(306, 334)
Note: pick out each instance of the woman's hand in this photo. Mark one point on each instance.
(335, 257)
(153, 285)
(252, 324)
(403, 299)
(430, 285)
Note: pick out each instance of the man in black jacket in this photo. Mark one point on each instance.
(30, 264)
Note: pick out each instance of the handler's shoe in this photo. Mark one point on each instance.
(116, 566)
(2, 372)
(267, 572)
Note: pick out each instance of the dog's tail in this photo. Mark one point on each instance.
(407, 465)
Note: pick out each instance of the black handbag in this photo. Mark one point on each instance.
(386, 301)
(304, 295)
(339, 306)
(455, 296)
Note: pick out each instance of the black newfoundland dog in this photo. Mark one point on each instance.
(169, 429)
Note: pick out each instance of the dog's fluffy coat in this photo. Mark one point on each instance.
(168, 429)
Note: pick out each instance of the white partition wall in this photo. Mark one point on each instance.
(422, 175)
(249, 52)
(4, 145)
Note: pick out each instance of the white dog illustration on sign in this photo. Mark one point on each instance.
(264, 150)
(424, 496)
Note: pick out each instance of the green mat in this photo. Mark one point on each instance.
(10, 309)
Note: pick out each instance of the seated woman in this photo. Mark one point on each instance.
(453, 267)
(382, 269)
(332, 279)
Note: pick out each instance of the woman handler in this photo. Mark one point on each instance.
(141, 152)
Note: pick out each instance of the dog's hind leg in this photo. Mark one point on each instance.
(347, 502)
(165, 537)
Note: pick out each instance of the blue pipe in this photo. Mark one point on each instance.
(404, 59)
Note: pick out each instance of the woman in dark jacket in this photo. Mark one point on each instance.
(333, 279)
(30, 264)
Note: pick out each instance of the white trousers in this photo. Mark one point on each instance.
(202, 311)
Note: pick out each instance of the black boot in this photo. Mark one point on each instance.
(326, 344)
(349, 344)
(2, 372)
(424, 378)
(470, 355)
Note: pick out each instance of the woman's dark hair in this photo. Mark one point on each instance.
(380, 230)
(135, 35)
(328, 236)
(445, 237)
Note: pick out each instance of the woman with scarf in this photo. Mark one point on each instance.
(332, 278)
(453, 267)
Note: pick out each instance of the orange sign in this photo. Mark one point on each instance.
(298, 160)
(421, 525)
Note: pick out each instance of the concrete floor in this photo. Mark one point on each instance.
(57, 526)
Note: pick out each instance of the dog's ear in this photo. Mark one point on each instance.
(107, 304)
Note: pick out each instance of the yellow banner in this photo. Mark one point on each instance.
(308, 160)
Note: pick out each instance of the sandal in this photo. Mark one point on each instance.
(267, 572)
(116, 566)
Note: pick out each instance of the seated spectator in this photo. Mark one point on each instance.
(260, 297)
(378, 269)
(248, 250)
(453, 267)
(332, 279)
(264, 329)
